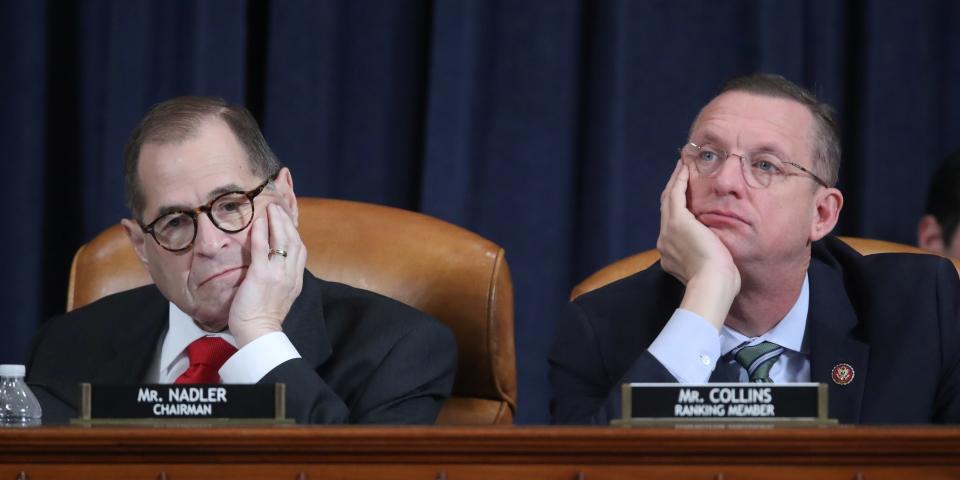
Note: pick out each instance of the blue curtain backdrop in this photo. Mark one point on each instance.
(548, 126)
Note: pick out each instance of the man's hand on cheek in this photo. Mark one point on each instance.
(695, 255)
(273, 281)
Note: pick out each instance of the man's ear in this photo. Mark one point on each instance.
(828, 203)
(137, 238)
(284, 187)
(930, 235)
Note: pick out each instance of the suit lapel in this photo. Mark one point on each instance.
(135, 344)
(725, 372)
(305, 325)
(830, 338)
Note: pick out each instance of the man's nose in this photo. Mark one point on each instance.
(729, 178)
(210, 239)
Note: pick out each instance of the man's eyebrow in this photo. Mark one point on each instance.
(231, 187)
(710, 139)
(771, 148)
(165, 209)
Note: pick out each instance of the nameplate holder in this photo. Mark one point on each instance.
(724, 403)
(191, 405)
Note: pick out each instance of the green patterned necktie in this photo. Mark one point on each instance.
(757, 359)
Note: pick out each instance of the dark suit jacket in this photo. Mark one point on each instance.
(365, 358)
(892, 317)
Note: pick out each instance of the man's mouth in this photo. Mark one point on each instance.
(221, 273)
(721, 216)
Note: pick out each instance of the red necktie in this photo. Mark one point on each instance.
(207, 355)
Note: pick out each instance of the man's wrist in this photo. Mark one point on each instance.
(688, 347)
(259, 357)
(710, 296)
(248, 333)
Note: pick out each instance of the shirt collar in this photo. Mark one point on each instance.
(788, 333)
(181, 332)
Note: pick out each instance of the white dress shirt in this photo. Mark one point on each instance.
(248, 365)
(689, 347)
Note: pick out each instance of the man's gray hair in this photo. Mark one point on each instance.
(178, 119)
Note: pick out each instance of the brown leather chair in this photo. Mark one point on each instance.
(454, 275)
(640, 261)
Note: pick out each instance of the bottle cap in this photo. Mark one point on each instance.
(12, 370)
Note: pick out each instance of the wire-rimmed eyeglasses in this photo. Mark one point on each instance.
(759, 170)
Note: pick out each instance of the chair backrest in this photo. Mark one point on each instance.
(640, 261)
(450, 273)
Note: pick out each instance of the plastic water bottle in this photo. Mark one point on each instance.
(18, 406)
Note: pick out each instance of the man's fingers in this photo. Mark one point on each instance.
(258, 241)
(284, 235)
(278, 236)
(675, 203)
(678, 192)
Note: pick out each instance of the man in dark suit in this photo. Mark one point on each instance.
(750, 287)
(215, 224)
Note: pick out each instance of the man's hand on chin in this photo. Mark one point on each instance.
(273, 281)
(693, 254)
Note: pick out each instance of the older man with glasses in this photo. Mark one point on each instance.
(752, 288)
(215, 224)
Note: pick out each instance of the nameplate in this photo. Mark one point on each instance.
(724, 402)
(118, 403)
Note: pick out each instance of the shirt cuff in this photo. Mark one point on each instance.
(688, 346)
(252, 362)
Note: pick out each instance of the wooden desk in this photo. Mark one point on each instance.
(296, 452)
